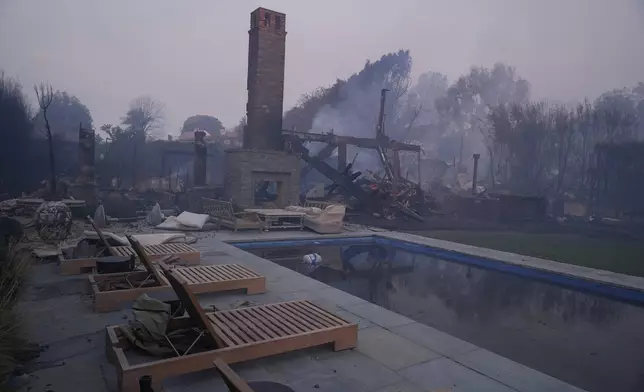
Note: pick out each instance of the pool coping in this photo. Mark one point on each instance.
(599, 276)
(612, 284)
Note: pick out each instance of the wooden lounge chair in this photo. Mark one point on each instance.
(186, 253)
(237, 384)
(236, 335)
(111, 291)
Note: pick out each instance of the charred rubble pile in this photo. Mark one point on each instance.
(377, 195)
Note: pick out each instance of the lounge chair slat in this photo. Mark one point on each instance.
(276, 321)
(326, 314)
(221, 319)
(212, 272)
(254, 318)
(301, 318)
(320, 319)
(241, 320)
(229, 271)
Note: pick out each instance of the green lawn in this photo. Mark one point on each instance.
(608, 254)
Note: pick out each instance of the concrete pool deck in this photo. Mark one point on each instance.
(394, 353)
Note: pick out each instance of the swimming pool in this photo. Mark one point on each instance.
(580, 331)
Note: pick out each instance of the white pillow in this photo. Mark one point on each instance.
(170, 223)
(190, 219)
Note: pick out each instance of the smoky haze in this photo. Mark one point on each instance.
(192, 55)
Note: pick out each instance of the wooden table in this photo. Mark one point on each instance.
(277, 218)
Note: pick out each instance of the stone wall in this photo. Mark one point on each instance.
(266, 61)
(244, 167)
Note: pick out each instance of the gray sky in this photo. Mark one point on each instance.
(192, 54)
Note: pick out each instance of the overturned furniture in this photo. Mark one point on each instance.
(111, 291)
(236, 335)
(224, 215)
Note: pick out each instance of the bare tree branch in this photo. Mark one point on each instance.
(45, 95)
(144, 116)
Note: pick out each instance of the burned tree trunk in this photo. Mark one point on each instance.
(45, 96)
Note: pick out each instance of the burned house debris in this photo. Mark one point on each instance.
(267, 165)
(343, 178)
(391, 193)
(140, 218)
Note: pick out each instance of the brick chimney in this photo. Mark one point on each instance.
(266, 60)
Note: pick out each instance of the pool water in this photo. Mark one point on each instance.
(593, 342)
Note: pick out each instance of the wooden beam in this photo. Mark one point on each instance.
(321, 155)
(342, 181)
(383, 142)
(396, 171)
(342, 157)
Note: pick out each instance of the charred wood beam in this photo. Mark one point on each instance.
(344, 182)
(382, 142)
(396, 171)
(322, 155)
(342, 157)
(409, 212)
(385, 163)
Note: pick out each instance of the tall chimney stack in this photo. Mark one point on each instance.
(266, 61)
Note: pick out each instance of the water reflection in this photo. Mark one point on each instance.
(473, 294)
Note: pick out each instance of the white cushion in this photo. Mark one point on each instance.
(190, 219)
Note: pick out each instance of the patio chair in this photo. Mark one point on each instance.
(185, 252)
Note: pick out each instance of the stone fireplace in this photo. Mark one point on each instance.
(261, 172)
(248, 171)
